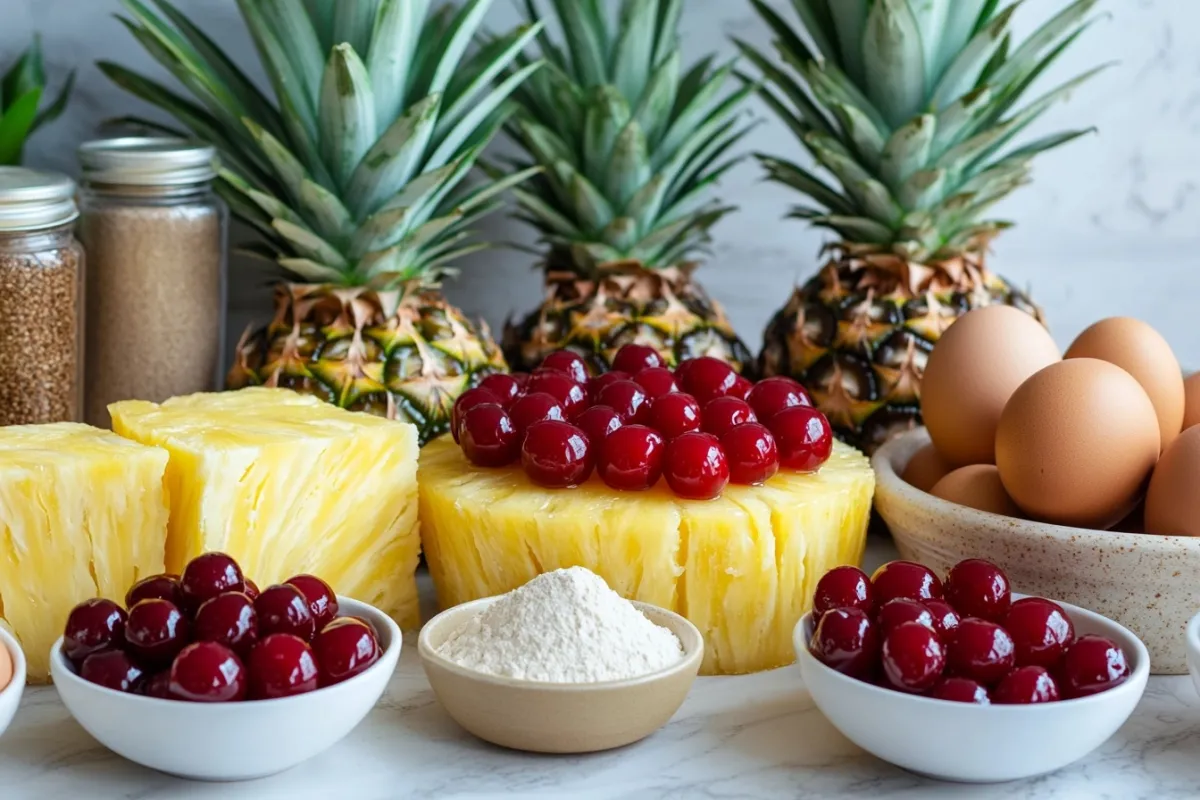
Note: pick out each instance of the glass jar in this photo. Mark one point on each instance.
(41, 299)
(155, 233)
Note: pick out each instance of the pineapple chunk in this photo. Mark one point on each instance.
(83, 514)
(742, 567)
(286, 483)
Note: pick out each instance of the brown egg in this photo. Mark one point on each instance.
(925, 468)
(977, 486)
(976, 366)
(1076, 443)
(1173, 500)
(1142, 352)
(1191, 401)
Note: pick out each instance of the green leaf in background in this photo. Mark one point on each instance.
(16, 124)
(21, 90)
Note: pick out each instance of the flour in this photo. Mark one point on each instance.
(564, 626)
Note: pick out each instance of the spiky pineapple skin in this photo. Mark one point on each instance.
(742, 567)
(405, 354)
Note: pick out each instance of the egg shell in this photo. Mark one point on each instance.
(975, 367)
(925, 468)
(6, 667)
(1173, 500)
(1141, 351)
(1191, 401)
(977, 486)
(1076, 444)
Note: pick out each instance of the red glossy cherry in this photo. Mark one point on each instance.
(466, 401)
(753, 457)
(722, 415)
(598, 422)
(597, 384)
(157, 685)
(569, 393)
(899, 610)
(282, 665)
(93, 625)
(160, 587)
(488, 437)
(707, 378)
(845, 640)
(1026, 685)
(628, 399)
(772, 395)
(345, 648)
(905, 579)
(843, 587)
(283, 608)
(228, 619)
(251, 589)
(696, 467)
(961, 690)
(112, 669)
(156, 631)
(741, 388)
(207, 672)
(209, 575)
(631, 458)
(656, 381)
(522, 379)
(568, 363)
(804, 437)
(557, 455)
(504, 386)
(981, 650)
(978, 588)
(675, 414)
(322, 602)
(913, 657)
(530, 409)
(1092, 664)
(1041, 631)
(945, 618)
(633, 358)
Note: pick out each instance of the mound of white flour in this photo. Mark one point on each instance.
(564, 626)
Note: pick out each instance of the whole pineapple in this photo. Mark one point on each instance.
(911, 108)
(355, 177)
(632, 146)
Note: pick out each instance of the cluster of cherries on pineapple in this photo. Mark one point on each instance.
(964, 640)
(700, 426)
(210, 636)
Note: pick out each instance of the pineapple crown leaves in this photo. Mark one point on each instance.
(355, 172)
(630, 143)
(912, 106)
(21, 92)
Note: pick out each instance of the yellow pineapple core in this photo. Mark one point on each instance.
(741, 567)
(287, 484)
(83, 514)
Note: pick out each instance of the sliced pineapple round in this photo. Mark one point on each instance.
(741, 567)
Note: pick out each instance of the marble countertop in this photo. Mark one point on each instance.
(754, 736)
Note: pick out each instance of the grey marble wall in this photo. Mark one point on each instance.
(1108, 228)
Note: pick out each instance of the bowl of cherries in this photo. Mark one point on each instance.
(962, 679)
(189, 673)
(700, 427)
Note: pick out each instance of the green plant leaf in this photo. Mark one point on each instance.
(346, 121)
(893, 61)
(16, 124)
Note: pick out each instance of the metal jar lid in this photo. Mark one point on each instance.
(32, 200)
(148, 161)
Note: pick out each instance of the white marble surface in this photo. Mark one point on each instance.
(751, 737)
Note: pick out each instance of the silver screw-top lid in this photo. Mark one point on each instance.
(148, 161)
(32, 200)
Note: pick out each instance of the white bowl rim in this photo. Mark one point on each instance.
(690, 657)
(350, 606)
(1138, 675)
(1193, 639)
(17, 684)
(885, 473)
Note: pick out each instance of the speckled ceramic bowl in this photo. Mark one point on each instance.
(1150, 584)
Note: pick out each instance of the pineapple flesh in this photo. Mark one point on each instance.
(83, 513)
(286, 484)
(742, 567)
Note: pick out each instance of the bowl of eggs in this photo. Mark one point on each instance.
(1075, 472)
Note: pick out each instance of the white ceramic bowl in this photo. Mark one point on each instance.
(225, 742)
(970, 743)
(1151, 584)
(1193, 650)
(10, 696)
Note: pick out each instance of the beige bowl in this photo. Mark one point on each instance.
(554, 717)
(1150, 584)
